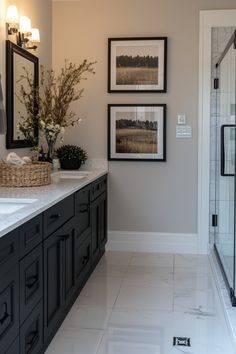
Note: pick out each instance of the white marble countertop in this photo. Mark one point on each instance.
(46, 197)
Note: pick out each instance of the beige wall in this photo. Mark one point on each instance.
(143, 196)
(40, 14)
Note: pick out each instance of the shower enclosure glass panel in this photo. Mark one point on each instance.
(225, 163)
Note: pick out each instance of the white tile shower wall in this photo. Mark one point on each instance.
(220, 37)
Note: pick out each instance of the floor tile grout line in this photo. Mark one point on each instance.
(100, 342)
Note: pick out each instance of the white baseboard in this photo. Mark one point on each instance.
(152, 242)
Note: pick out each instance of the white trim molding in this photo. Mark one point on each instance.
(152, 242)
(208, 20)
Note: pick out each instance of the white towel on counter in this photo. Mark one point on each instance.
(13, 159)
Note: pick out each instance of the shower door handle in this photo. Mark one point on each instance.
(222, 147)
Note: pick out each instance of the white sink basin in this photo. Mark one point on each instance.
(71, 174)
(11, 205)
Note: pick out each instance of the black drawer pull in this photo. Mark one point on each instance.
(32, 281)
(85, 260)
(84, 208)
(5, 316)
(33, 338)
(56, 216)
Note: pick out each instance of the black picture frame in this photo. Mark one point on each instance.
(137, 132)
(149, 66)
(11, 50)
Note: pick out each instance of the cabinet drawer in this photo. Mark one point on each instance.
(83, 258)
(31, 235)
(98, 187)
(58, 214)
(9, 251)
(31, 281)
(14, 348)
(9, 308)
(31, 333)
(82, 211)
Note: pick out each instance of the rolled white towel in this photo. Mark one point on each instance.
(13, 159)
(27, 159)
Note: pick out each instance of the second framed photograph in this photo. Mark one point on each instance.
(137, 132)
(137, 64)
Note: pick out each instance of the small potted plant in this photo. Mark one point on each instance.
(71, 157)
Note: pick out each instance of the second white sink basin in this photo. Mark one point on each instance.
(71, 174)
(11, 205)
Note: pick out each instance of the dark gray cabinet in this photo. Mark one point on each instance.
(53, 282)
(31, 332)
(45, 263)
(31, 282)
(69, 269)
(83, 235)
(9, 289)
(99, 219)
(9, 308)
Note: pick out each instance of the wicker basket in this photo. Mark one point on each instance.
(29, 175)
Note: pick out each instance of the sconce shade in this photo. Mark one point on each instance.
(12, 14)
(25, 24)
(35, 36)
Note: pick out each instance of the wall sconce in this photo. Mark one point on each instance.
(33, 38)
(12, 19)
(26, 37)
(24, 32)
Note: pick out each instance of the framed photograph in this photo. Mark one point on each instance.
(137, 64)
(137, 132)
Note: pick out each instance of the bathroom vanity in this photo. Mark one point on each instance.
(48, 249)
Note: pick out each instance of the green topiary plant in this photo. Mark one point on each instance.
(69, 152)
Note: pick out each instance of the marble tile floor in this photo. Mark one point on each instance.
(135, 303)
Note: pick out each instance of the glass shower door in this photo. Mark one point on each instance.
(225, 164)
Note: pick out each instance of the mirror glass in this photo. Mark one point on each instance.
(19, 63)
(17, 59)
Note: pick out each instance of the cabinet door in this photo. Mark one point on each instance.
(53, 282)
(95, 214)
(31, 234)
(103, 222)
(83, 262)
(9, 252)
(82, 212)
(69, 262)
(9, 308)
(31, 332)
(31, 281)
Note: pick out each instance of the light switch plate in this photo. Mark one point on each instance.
(183, 132)
(181, 119)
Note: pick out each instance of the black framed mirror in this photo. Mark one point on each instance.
(16, 59)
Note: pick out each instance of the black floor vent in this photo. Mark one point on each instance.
(181, 342)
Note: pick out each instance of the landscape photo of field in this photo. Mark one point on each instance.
(135, 135)
(137, 65)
